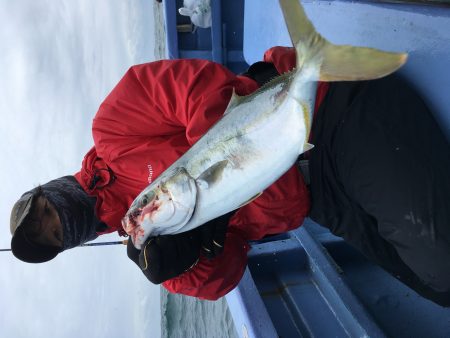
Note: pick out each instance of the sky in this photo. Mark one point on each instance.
(59, 60)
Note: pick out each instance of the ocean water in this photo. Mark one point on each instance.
(185, 317)
(160, 32)
(182, 316)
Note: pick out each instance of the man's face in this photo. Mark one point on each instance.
(44, 226)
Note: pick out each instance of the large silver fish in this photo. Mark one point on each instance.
(258, 139)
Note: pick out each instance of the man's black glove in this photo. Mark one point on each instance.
(167, 256)
(213, 235)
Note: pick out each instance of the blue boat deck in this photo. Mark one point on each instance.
(309, 283)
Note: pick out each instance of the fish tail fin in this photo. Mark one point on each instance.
(333, 62)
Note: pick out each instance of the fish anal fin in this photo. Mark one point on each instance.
(251, 199)
(211, 175)
(306, 147)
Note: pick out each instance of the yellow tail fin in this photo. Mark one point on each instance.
(335, 63)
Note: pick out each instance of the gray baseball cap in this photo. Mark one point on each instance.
(20, 211)
(21, 247)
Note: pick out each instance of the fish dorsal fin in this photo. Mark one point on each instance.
(251, 199)
(234, 101)
(331, 62)
(211, 175)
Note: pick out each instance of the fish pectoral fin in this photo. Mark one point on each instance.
(306, 147)
(211, 175)
(251, 199)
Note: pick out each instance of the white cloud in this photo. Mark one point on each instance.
(59, 60)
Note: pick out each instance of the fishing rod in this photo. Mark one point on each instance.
(124, 242)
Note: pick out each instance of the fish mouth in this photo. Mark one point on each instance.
(129, 222)
(157, 219)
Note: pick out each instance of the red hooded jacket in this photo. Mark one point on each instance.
(156, 113)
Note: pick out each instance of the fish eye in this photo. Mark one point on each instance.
(144, 201)
(147, 198)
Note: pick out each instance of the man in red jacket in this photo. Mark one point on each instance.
(366, 182)
(156, 113)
